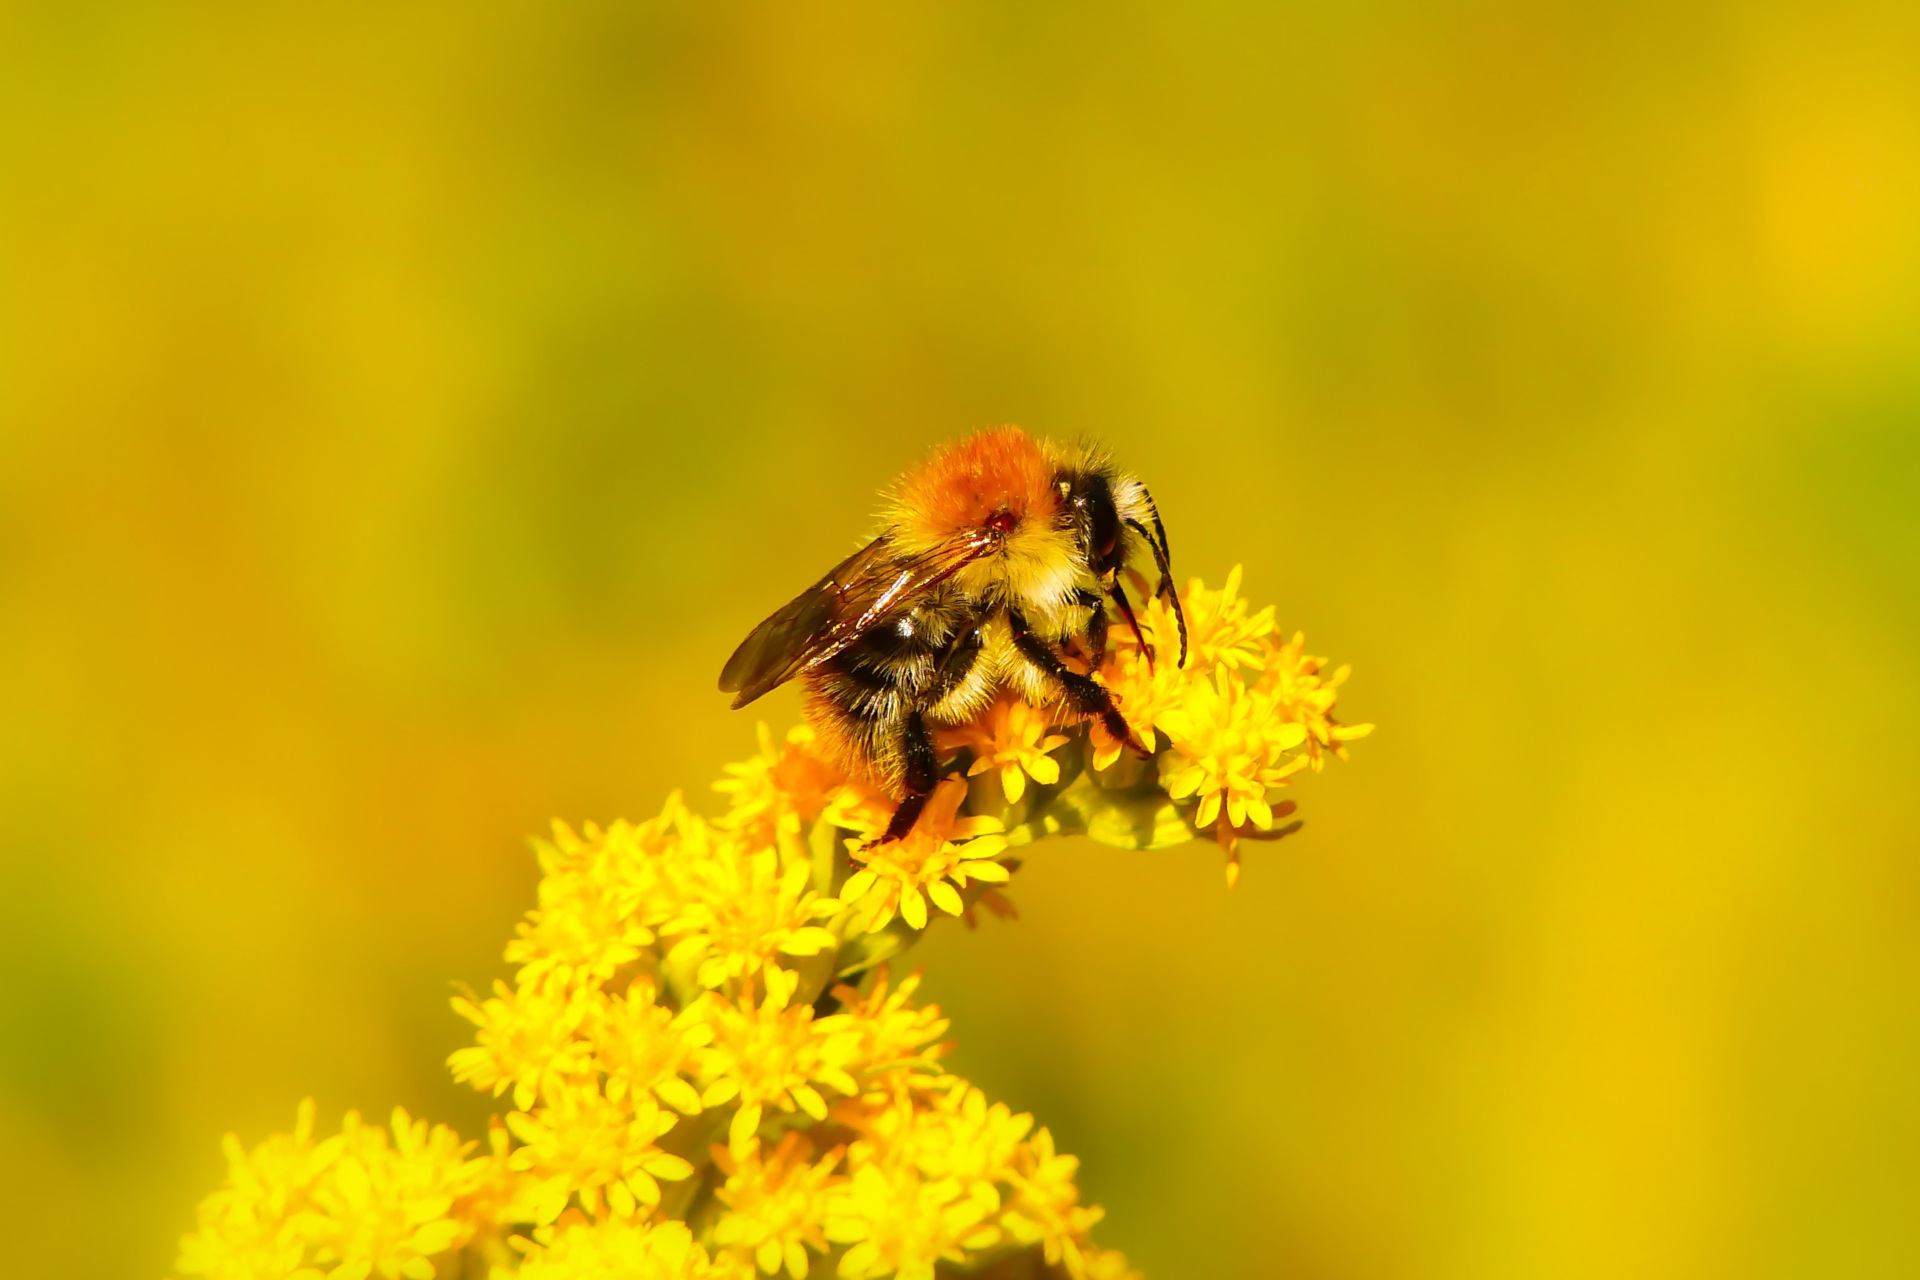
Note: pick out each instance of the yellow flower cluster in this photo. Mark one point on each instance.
(348, 1207)
(710, 1070)
(1237, 720)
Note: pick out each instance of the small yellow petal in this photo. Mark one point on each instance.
(857, 886)
(679, 1095)
(809, 941)
(670, 1167)
(644, 1188)
(746, 1123)
(913, 907)
(687, 948)
(984, 847)
(1208, 811)
(990, 872)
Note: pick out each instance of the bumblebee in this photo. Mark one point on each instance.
(995, 553)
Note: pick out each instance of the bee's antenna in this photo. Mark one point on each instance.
(1165, 587)
(1166, 552)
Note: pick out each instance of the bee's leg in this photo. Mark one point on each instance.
(1119, 594)
(1096, 632)
(1085, 695)
(903, 819)
(920, 765)
(920, 769)
(1164, 589)
(955, 662)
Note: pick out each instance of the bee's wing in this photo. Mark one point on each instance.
(869, 587)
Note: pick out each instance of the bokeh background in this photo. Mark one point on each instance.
(405, 407)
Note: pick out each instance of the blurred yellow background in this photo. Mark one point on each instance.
(404, 409)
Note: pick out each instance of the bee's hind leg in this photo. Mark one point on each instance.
(920, 769)
(903, 819)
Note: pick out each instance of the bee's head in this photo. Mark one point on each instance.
(993, 482)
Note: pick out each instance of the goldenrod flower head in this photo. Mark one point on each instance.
(961, 1135)
(528, 1037)
(1144, 690)
(1292, 677)
(641, 1046)
(859, 805)
(742, 912)
(598, 1150)
(591, 884)
(351, 1205)
(1236, 721)
(1229, 745)
(779, 1054)
(938, 1173)
(898, 1223)
(898, 1217)
(777, 1202)
(1046, 1205)
(932, 863)
(685, 980)
(1014, 739)
(765, 1052)
(1220, 632)
(884, 1030)
(780, 790)
(617, 1249)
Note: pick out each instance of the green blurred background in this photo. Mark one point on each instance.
(404, 408)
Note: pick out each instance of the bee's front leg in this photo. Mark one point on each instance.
(1164, 589)
(1085, 695)
(1119, 593)
(1096, 631)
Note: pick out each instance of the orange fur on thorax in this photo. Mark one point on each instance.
(966, 482)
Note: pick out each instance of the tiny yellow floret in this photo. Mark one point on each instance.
(1013, 739)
